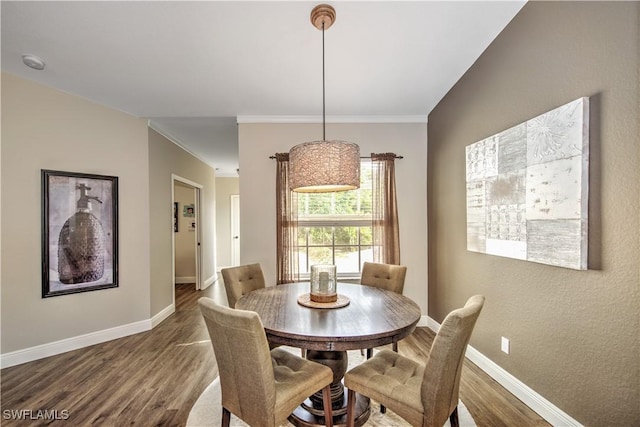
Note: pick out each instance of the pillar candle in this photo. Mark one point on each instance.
(323, 281)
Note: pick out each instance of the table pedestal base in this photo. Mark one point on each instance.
(302, 417)
(311, 412)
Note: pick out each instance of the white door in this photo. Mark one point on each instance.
(235, 229)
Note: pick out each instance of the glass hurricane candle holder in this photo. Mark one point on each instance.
(323, 283)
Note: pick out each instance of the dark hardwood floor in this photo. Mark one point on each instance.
(154, 378)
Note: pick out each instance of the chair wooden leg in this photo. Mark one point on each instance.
(394, 346)
(453, 418)
(226, 417)
(369, 353)
(351, 408)
(328, 410)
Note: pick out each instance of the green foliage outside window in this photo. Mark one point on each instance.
(323, 240)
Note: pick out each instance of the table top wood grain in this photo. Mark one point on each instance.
(374, 317)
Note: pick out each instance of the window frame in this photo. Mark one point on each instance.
(333, 221)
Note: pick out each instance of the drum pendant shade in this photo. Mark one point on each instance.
(324, 166)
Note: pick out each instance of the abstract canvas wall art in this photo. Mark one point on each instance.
(527, 189)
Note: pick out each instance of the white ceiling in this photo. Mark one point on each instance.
(193, 67)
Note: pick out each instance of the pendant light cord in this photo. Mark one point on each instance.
(324, 138)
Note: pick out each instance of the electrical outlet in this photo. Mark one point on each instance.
(505, 345)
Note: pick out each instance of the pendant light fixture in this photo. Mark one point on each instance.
(324, 166)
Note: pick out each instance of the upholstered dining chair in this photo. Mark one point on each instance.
(423, 394)
(241, 280)
(260, 386)
(385, 276)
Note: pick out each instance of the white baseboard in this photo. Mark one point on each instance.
(210, 281)
(57, 347)
(547, 410)
(424, 322)
(189, 279)
(163, 314)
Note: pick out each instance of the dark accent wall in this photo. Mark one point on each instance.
(575, 335)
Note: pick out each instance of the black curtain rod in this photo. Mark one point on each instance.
(362, 157)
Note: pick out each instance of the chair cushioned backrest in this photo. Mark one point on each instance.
(244, 362)
(441, 381)
(239, 281)
(384, 276)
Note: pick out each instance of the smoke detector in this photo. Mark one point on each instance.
(33, 61)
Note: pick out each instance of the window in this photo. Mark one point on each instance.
(335, 228)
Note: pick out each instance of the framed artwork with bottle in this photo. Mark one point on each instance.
(79, 232)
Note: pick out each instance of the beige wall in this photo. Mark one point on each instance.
(258, 194)
(225, 187)
(43, 128)
(185, 238)
(165, 159)
(574, 334)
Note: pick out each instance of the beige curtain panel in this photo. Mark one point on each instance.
(286, 225)
(386, 232)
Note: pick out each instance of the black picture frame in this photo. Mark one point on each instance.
(79, 232)
(175, 217)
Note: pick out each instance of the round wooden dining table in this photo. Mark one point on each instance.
(372, 318)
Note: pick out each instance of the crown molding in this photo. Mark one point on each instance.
(332, 119)
(176, 141)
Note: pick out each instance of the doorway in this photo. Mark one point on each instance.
(186, 249)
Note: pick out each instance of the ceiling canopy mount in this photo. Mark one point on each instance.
(323, 14)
